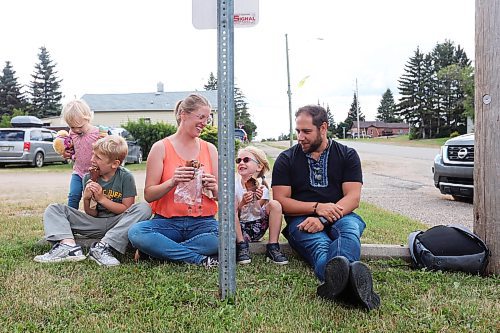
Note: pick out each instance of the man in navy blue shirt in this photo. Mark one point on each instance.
(318, 183)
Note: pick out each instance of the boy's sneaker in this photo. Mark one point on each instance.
(101, 254)
(243, 253)
(274, 254)
(62, 252)
(210, 262)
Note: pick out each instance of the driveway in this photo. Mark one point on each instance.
(399, 179)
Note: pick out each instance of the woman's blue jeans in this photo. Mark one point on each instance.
(75, 191)
(340, 239)
(187, 239)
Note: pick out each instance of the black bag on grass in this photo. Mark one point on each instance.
(448, 248)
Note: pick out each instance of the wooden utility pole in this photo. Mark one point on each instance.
(487, 137)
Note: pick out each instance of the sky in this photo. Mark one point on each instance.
(128, 46)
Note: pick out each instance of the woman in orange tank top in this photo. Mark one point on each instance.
(181, 230)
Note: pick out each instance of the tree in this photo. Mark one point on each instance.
(386, 112)
(45, 94)
(448, 88)
(467, 80)
(11, 96)
(413, 86)
(241, 115)
(352, 114)
(5, 119)
(331, 121)
(212, 82)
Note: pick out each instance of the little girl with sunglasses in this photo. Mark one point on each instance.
(255, 211)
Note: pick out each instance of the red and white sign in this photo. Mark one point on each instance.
(244, 19)
(246, 13)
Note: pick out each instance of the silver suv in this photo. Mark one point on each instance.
(27, 145)
(454, 167)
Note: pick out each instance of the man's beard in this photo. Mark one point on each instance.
(314, 145)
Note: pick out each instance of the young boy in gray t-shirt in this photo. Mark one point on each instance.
(110, 210)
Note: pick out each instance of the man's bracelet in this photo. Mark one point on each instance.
(315, 206)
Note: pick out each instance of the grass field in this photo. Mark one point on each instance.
(166, 297)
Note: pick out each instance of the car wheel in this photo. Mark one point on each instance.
(38, 160)
(139, 158)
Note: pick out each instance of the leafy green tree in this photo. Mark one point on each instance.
(467, 80)
(341, 127)
(45, 94)
(448, 63)
(5, 119)
(147, 134)
(386, 111)
(11, 96)
(241, 115)
(460, 82)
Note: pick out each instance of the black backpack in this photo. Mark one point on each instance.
(448, 248)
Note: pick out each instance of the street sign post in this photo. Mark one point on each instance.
(206, 15)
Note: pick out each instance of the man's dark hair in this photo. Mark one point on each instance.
(317, 113)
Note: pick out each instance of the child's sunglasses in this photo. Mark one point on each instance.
(245, 160)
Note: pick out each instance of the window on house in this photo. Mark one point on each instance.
(146, 120)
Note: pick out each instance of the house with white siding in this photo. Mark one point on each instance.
(115, 110)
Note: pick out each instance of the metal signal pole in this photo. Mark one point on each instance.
(289, 92)
(225, 102)
(357, 106)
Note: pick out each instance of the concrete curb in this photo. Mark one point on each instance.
(368, 251)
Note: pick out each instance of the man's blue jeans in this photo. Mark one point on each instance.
(187, 239)
(75, 191)
(340, 239)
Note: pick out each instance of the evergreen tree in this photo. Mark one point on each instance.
(352, 115)
(331, 121)
(241, 115)
(11, 96)
(386, 112)
(413, 87)
(212, 82)
(45, 94)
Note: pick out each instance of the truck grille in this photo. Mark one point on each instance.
(461, 153)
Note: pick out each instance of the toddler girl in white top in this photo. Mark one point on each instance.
(255, 211)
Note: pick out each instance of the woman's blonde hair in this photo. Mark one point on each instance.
(114, 147)
(260, 156)
(189, 104)
(76, 111)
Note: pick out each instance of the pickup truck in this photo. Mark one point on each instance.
(454, 168)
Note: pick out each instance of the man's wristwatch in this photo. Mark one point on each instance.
(324, 221)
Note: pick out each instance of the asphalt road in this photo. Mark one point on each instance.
(396, 178)
(400, 179)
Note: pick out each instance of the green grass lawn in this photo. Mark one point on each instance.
(166, 297)
(403, 140)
